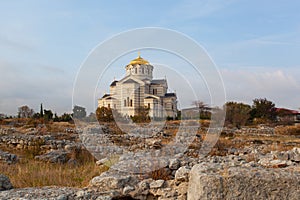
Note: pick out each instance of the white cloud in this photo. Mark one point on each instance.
(278, 85)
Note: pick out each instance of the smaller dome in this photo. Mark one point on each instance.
(114, 83)
(139, 61)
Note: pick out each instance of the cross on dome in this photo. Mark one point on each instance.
(139, 61)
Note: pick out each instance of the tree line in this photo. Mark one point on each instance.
(47, 114)
(238, 114)
(262, 111)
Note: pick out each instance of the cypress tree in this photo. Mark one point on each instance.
(41, 111)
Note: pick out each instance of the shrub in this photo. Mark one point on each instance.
(161, 174)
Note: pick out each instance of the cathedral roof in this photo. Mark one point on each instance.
(105, 95)
(139, 61)
(158, 81)
(130, 81)
(170, 95)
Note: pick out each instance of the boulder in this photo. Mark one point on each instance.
(102, 161)
(295, 154)
(157, 184)
(182, 174)
(174, 163)
(109, 182)
(208, 182)
(55, 156)
(8, 157)
(128, 189)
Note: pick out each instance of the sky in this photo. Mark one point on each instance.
(43, 43)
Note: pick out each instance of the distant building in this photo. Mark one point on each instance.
(190, 113)
(138, 89)
(197, 113)
(286, 115)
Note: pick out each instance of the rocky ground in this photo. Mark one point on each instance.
(248, 163)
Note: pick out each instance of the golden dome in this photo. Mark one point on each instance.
(139, 61)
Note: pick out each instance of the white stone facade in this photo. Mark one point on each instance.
(138, 89)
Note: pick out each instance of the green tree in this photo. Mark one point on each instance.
(56, 118)
(104, 114)
(25, 112)
(204, 109)
(48, 115)
(41, 111)
(237, 114)
(263, 109)
(79, 112)
(142, 114)
(65, 117)
(91, 118)
(36, 116)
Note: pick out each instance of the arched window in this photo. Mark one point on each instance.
(155, 91)
(135, 70)
(130, 102)
(143, 70)
(124, 103)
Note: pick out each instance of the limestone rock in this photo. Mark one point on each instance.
(5, 183)
(55, 156)
(57, 193)
(144, 184)
(182, 174)
(102, 161)
(273, 163)
(8, 157)
(128, 189)
(242, 183)
(174, 163)
(295, 154)
(110, 182)
(156, 184)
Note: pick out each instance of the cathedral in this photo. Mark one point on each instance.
(138, 89)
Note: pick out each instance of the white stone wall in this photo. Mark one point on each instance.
(112, 90)
(140, 71)
(155, 107)
(170, 106)
(158, 90)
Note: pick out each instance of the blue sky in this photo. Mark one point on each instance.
(255, 44)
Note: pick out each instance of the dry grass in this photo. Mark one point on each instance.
(160, 174)
(59, 126)
(272, 139)
(31, 173)
(224, 144)
(288, 130)
(277, 147)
